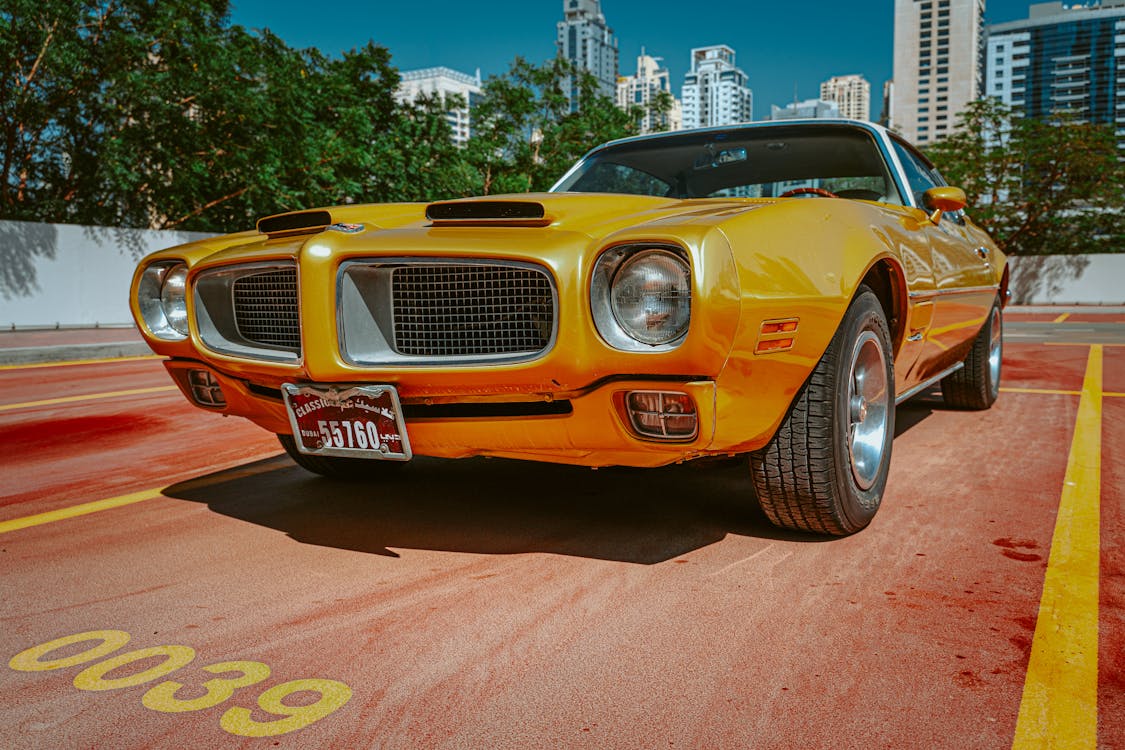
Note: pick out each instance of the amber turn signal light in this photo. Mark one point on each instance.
(776, 335)
(663, 415)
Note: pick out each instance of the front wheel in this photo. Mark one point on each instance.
(826, 468)
(977, 384)
(337, 467)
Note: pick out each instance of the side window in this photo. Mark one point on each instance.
(918, 176)
(921, 177)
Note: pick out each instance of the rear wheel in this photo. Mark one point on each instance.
(825, 469)
(337, 467)
(977, 384)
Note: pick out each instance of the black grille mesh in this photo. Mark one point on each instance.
(265, 308)
(471, 309)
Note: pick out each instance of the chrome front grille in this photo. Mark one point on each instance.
(265, 308)
(408, 311)
(469, 310)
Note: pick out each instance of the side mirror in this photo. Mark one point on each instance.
(941, 199)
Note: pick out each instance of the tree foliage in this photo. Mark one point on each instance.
(1038, 187)
(525, 132)
(160, 113)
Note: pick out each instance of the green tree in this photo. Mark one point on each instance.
(142, 113)
(525, 133)
(1038, 187)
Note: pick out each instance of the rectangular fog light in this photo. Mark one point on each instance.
(665, 415)
(205, 389)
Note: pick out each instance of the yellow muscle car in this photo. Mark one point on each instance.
(771, 289)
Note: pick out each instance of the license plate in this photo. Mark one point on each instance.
(360, 422)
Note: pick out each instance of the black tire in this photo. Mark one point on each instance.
(337, 467)
(806, 477)
(977, 384)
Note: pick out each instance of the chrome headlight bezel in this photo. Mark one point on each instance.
(162, 299)
(611, 269)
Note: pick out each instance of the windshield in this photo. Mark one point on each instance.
(750, 162)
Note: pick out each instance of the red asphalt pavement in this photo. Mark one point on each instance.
(497, 604)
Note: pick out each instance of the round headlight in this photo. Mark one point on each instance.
(650, 297)
(173, 298)
(161, 299)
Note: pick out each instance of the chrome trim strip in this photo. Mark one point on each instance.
(923, 386)
(948, 292)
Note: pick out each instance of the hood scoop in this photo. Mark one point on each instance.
(487, 213)
(293, 223)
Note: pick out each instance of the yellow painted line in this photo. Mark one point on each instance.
(87, 397)
(1077, 343)
(77, 510)
(136, 497)
(73, 362)
(1059, 708)
(1041, 391)
(1061, 318)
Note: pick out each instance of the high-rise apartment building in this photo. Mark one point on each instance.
(888, 93)
(810, 109)
(644, 88)
(715, 90)
(1062, 59)
(444, 82)
(851, 93)
(938, 65)
(587, 42)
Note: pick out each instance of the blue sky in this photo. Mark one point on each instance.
(781, 45)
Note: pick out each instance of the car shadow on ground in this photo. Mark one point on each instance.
(917, 409)
(495, 506)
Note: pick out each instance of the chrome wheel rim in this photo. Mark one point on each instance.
(995, 350)
(868, 409)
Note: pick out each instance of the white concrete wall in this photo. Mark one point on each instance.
(67, 276)
(1068, 279)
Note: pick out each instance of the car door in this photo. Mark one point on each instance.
(964, 282)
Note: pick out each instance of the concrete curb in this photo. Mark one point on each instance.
(30, 355)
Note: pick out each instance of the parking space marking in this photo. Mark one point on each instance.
(86, 397)
(73, 362)
(1041, 391)
(1051, 392)
(1061, 318)
(96, 506)
(78, 510)
(1059, 707)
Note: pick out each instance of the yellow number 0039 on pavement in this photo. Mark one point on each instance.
(229, 677)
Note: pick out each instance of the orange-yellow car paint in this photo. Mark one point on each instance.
(752, 260)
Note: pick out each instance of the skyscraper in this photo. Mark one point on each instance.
(715, 90)
(444, 82)
(851, 93)
(810, 109)
(642, 90)
(938, 65)
(586, 41)
(1062, 59)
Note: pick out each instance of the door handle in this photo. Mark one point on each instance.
(982, 252)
